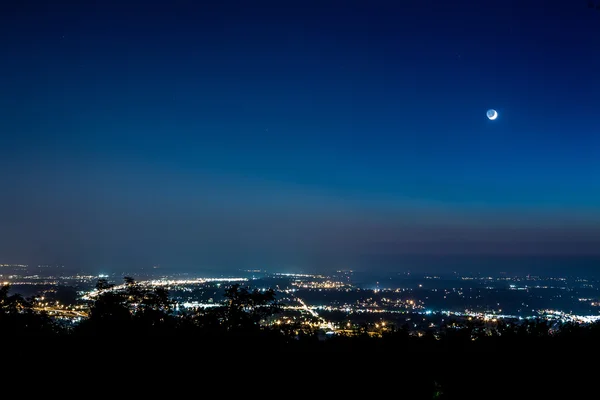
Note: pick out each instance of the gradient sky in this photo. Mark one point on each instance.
(197, 134)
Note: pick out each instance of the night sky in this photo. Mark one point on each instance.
(297, 134)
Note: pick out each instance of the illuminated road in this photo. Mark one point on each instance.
(314, 314)
(303, 305)
(61, 312)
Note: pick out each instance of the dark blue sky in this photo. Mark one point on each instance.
(303, 133)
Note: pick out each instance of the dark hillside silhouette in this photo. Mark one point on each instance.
(240, 325)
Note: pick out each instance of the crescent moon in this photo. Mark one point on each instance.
(492, 114)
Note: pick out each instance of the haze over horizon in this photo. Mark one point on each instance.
(318, 134)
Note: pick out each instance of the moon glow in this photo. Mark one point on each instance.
(492, 114)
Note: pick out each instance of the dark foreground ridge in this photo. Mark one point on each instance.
(137, 315)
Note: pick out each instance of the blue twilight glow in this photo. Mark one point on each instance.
(318, 133)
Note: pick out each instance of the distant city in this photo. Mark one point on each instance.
(342, 302)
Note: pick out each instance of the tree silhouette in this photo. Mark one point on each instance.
(133, 309)
(18, 317)
(245, 309)
(109, 312)
(102, 284)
